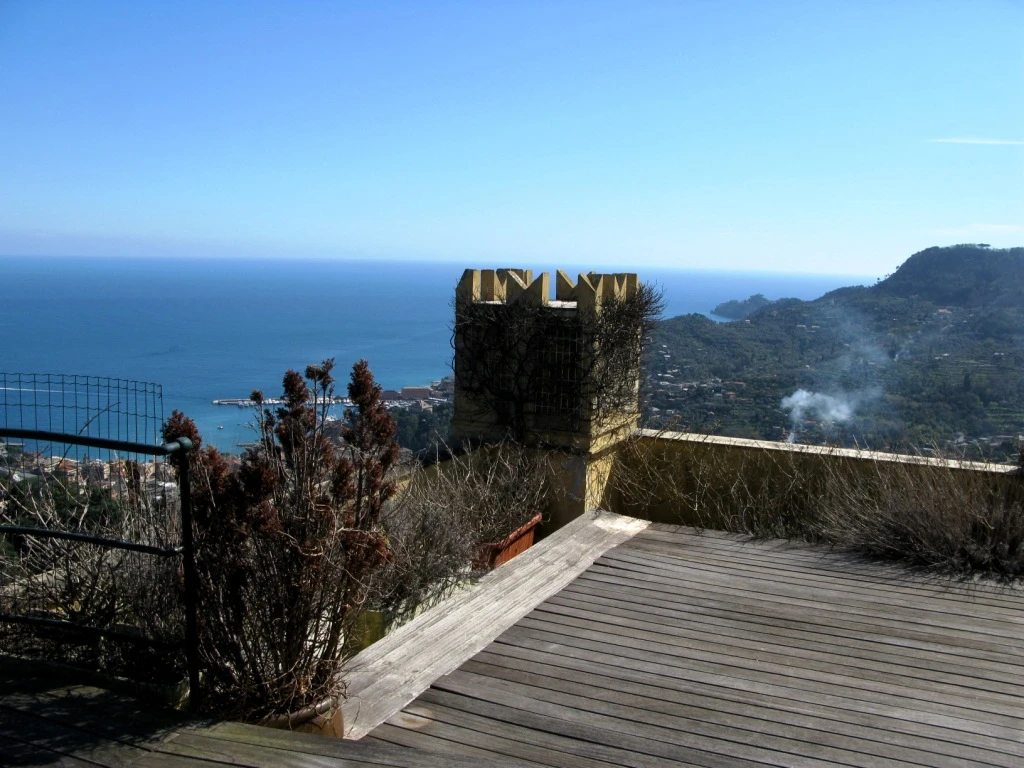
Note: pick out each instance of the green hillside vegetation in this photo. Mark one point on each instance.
(931, 356)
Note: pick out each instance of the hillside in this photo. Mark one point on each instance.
(931, 356)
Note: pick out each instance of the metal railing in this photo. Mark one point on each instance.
(96, 535)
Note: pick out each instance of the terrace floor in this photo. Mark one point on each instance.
(671, 648)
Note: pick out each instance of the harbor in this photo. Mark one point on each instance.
(436, 391)
(248, 402)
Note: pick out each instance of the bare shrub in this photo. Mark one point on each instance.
(86, 585)
(443, 515)
(942, 515)
(761, 492)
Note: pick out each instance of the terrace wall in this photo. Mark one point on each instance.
(677, 477)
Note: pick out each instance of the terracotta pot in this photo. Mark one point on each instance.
(490, 556)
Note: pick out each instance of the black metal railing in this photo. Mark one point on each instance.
(97, 562)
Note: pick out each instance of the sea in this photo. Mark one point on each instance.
(218, 328)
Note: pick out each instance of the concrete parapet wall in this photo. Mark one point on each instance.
(771, 488)
(739, 444)
(714, 482)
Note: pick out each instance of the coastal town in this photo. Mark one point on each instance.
(115, 476)
(416, 408)
(90, 477)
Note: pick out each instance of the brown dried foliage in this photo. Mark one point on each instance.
(287, 546)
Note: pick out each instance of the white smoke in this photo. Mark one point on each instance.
(831, 409)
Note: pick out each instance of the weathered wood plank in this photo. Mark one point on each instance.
(51, 735)
(678, 540)
(769, 579)
(393, 672)
(994, 631)
(226, 752)
(756, 711)
(743, 675)
(555, 741)
(708, 603)
(424, 720)
(767, 647)
(767, 604)
(101, 715)
(594, 529)
(651, 647)
(798, 663)
(873, 577)
(370, 751)
(939, 601)
(414, 739)
(640, 736)
(630, 713)
(524, 743)
(947, 605)
(19, 752)
(971, 705)
(887, 712)
(815, 637)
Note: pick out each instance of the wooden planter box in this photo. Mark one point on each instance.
(490, 556)
(323, 719)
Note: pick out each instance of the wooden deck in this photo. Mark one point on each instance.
(394, 671)
(680, 649)
(49, 718)
(671, 649)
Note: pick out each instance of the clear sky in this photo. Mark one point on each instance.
(811, 136)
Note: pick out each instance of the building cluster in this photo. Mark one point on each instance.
(669, 388)
(149, 479)
(424, 398)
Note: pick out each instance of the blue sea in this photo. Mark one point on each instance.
(213, 328)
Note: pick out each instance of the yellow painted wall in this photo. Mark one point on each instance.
(714, 482)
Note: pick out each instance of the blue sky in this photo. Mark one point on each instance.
(815, 136)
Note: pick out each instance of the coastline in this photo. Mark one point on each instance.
(207, 328)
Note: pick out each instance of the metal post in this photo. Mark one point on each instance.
(191, 577)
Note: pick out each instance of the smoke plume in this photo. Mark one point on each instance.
(830, 409)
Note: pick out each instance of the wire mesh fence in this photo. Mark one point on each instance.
(91, 530)
(89, 406)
